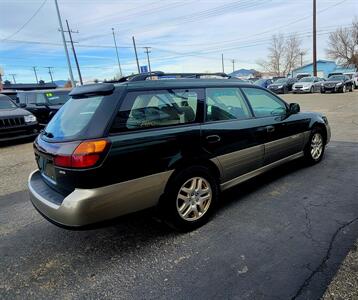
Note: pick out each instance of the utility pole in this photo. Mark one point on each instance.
(74, 51)
(65, 45)
(50, 72)
(147, 50)
(13, 77)
(233, 65)
(136, 55)
(314, 39)
(301, 54)
(222, 62)
(115, 45)
(34, 68)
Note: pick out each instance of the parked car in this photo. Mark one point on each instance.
(277, 77)
(263, 82)
(114, 149)
(337, 83)
(15, 122)
(43, 103)
(354, 77)
(282, 85)
(307, 85)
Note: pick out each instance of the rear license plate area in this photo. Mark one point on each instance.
(46, 167)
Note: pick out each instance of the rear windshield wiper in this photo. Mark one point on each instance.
(48, 134)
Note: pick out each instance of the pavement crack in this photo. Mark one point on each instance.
(324, 260)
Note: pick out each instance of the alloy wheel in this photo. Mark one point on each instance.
(194, 198)
(316, 146)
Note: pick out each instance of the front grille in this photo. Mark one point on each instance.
(11, 122)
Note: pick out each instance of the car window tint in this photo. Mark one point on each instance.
(225, 104)
(263, 103)
(141, 110)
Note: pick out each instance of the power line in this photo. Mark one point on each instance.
(27, 22)
(13, 77)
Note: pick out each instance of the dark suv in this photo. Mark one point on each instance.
(43, 103)
(114, 149)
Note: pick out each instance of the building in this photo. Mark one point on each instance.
(324, 67)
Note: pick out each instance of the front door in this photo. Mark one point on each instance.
(230, 134)
(285, 132)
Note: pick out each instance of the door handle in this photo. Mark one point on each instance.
(213, 138)
(270, 128)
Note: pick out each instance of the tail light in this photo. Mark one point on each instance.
(87, 154)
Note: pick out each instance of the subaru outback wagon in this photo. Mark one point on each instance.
(175, 144)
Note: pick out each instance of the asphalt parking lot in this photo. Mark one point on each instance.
(282, 235)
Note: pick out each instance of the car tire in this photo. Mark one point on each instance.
(315, 147)
(190, 199)
(312, 90)
(344, 89)
(285, 90)
(323, 92)
(351, 88)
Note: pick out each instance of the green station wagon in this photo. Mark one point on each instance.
(173, 143)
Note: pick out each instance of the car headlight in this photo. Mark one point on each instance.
(339, 84)
(30, 119)
(280, 87)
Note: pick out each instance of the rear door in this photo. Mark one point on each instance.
(285, 132)
(230, 134)
(154, 131)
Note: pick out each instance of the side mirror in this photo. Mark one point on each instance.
(22, 105)
(294, 108)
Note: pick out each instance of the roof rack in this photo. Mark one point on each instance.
(145, 76)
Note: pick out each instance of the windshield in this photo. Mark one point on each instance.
(57, 97)
(6, 103)
(281, 80)
(72, 118)
(307, 79)
(336, 77)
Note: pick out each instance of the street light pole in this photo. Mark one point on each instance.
(65, 45)
(115, 45)
(222, 62)
(147, 50)
(34, 68)
(136, 55)
(314, 39)
(74, 53)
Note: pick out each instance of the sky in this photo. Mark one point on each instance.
(184, 36)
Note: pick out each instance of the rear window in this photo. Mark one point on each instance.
(73, 118)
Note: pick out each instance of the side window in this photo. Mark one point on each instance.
(30, 98)
(263, 103)
(21, 97)
(225, 104)
(40, 98)
(141, 110)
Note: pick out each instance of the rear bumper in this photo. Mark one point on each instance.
(89, 206)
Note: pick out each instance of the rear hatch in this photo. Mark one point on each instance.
(73, 143)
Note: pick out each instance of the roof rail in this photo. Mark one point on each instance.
(144, 76)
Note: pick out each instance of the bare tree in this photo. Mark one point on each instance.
(343, 45)
(284, 55)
